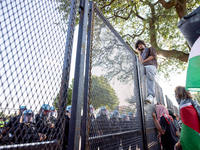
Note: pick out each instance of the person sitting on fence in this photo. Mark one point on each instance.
(190, 117)
(147, 57)
(168, 135)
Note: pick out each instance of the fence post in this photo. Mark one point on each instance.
(87, 76)
(144, 135)
(77, 95)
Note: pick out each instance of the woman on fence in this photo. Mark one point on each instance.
(190, 117)
(167, 131)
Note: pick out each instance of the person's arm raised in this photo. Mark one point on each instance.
(159, 128)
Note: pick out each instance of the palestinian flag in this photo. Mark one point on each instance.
(189, 26)
(190, 131)
(193, 71)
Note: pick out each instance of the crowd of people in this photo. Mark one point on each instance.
(170, 135)
(27, 127)
(105, 127)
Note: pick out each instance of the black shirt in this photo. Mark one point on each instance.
(169, 139)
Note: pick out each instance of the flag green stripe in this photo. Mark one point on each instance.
(193, 74)
(190, 139)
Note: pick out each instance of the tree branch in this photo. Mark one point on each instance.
(107, 4)
(169, 4)
(125, 18)
(136, 13)
(135, 35)
(173, 54)
(156, 3)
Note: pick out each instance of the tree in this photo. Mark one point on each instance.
(102, 94)
(197, 97)
(154, 21)
(69, 99)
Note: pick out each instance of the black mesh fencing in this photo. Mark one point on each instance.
(115, 112)
(109, 82)
(169, 103)
(115, 121)
(36, 44)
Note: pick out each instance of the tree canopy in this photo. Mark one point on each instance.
(102, 94)
(196, 97)
(155, 22)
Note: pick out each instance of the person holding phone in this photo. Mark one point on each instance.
(147, 56)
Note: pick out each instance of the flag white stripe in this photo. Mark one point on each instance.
(195, 50)
(185, 105)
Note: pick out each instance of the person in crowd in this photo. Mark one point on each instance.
(133, 125)
(93, 129)
(175, 121)
(68, 111)
(125, 126)
(133, 120)
(116, 127)
(42, 120)
(104, 127)
(2, 123)
(147, 56)
(177, 117)
(168, 135)
(53, 114)
(24, 132)
(67, 123)
(15, 120)
(190, 117)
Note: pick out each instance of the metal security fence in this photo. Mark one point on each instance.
(169, 103)
(109, 86)
(116, 115)
(116, 121)
(36, 47)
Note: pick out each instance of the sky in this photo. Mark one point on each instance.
(168, 87)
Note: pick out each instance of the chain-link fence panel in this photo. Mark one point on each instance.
(36, 43)
(176, 110)
(169, 103)
(114, 117)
